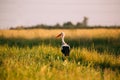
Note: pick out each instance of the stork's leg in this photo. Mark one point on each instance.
(63, 57)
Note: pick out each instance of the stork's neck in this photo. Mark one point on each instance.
(63, 42)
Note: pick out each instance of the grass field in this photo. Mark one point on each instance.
(35, 55)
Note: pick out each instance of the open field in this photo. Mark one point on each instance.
(70, 33)
(35, 54)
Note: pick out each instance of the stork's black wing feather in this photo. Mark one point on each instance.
(65, 50)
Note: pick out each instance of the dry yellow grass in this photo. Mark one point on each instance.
(71, 33)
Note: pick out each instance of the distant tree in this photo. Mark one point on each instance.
(68, 24)
(20, 27)
(57, 25)
(40, 26)
(85, 22)
(79, 24)
(11, 28)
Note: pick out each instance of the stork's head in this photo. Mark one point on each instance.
(62, 34)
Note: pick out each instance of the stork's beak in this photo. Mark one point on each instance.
(58, 35)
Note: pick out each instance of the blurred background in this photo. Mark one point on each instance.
(51, 12)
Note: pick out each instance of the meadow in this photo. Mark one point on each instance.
(36, 54)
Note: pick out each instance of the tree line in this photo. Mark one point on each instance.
(66, 25)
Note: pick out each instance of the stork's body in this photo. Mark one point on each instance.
(65, 48)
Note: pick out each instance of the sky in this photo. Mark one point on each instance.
(32, 12)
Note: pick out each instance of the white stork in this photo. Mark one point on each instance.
(65, 48)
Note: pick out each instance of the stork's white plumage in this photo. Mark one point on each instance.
(65, 48)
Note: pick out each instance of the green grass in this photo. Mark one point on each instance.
(38, 59)
(111, 45)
